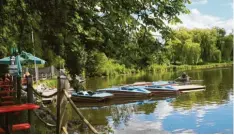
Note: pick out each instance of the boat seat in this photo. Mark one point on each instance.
(124, 88)
(90, 92)
(80, 93)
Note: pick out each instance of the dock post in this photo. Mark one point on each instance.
(29, 98)
(52, 71)
(61, 103)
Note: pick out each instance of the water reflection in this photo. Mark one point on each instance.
(208, 111)
(197, 112)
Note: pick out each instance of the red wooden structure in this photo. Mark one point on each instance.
(8, 107)
(12, 109)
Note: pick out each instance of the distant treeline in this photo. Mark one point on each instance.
(105, 37)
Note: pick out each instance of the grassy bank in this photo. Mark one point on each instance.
(52, 83)
(116, 69)
(152, 68)
(163, 68)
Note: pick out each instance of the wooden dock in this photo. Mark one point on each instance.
(50, 92)
(190, 87)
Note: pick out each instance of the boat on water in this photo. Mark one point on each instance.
(89, 96)
(120, 101)
(170, 89)
(164, 83)
(127, 91)
(159, 89)
(160, 83)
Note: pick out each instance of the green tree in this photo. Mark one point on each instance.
(227, 48)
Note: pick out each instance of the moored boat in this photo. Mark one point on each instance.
(158, 89)
(160, 83)
(128, 91)
(164, 83)
(89, 96)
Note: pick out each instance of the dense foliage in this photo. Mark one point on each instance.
(199, 45)
(103, 37)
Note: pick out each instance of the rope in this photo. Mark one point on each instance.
(48, 111)
(80, 114)
(64, 130)
(47, 124)
(44, 96)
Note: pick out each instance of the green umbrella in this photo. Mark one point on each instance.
(7, 60)
(29, 58)
(24, 58)
(19, 67)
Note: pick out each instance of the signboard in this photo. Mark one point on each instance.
(13, 70)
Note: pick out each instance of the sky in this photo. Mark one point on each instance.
(208, 14)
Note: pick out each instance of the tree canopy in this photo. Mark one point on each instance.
(102, 36)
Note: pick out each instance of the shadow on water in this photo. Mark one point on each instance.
(208, 111)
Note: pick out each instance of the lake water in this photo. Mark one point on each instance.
(209, 111)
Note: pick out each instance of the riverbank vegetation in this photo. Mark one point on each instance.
(102, 38)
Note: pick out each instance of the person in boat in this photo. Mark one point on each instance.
(77, 84)
(183, 78)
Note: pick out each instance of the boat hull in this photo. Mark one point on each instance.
(150, 83)
(127, 94)
(156, 91)
(90, 99)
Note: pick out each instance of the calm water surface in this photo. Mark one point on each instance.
(209, 111)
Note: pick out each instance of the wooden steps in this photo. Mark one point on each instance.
(17, 108)
(17, 127)
(7, 91)
(8, 106)
(7, 97)
(7, 103)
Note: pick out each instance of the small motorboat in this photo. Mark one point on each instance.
(162, 83)
(127, 91)
(159, 89)
(141, 83)
(89, 96)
